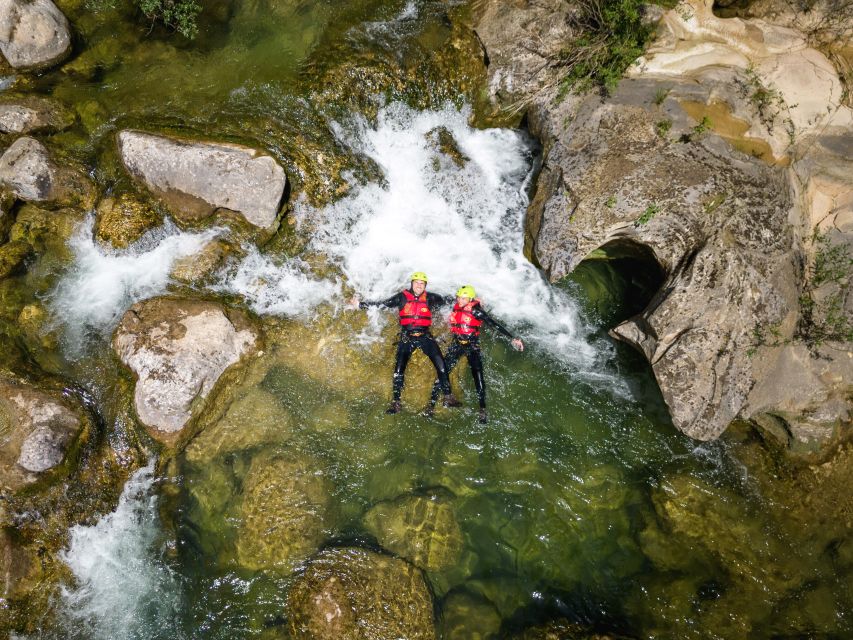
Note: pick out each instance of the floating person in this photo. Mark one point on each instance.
(415, 306)
(466, 319)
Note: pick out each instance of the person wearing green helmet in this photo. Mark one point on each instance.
(466, 319)
(415, 306)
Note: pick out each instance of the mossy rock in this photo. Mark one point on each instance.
(12, 257)
(46, 230)
(355, 594)
(121, 221)
(422, 529)
(255, 419)
(465, 616)
(286, 504)
(561, 629)
(199, 267)
(444, 142)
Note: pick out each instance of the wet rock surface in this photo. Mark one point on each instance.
(686, 163)
(30, 113)
(178, 349)
(355, 594)
(124, 219)
(28, 171)
(37, 432)
(33, 34)
(284, 511)
(195, 179)
(422, 529)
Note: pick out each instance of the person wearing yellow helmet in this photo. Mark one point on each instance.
(466, 318)
(415, 307)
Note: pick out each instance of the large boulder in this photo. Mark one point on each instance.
(39, 433)
(30, 113)
(33, 33)
(422, 529)
(195, 179)
(355, 594)
(28, 171)
(717, 164)
(178, 349)
(285, 504)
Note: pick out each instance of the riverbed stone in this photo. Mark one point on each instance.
(422, 529)
(122, 220)
(178, 349)
(355, 594)
(201, 265)
(34, 34)
(38, 431)
(28, 171)
(195, 178)
(12, 257)
(465, 616)
(30, 113)
(286, 501)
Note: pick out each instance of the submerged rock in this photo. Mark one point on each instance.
(33, 33)
(195, 179)
(30, 113)
(38, 431)
(285, 506)
(202, 264)
(422, 529)
(178, 350)
(123, 220)
(354, 594)
(468, 617)
(27, 170)
(12, 257)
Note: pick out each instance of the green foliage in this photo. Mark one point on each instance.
(823, 317)
(611, 202)
(612, 36)
(696, 132)
(651, 211)
(179, 15)
(663, 127)
(660, 95)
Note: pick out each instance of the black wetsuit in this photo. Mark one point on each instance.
(414, 338)
(469, 346)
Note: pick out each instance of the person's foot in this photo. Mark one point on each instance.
(393, 408)
(429, 411)
(451, 401)
(483, 417)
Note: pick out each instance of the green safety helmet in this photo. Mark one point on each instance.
(466, 291)
(418, 275)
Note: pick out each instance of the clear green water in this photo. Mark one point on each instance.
(574, 501)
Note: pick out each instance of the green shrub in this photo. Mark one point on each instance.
(612, 36)
(179, 15)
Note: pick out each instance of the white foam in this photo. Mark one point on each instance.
(123, 586)
(278, 287)
(462, 225)
(103, 282)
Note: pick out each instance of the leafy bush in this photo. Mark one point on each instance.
(612, 35)
(179, 15)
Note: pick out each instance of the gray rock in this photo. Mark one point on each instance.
(39, 430)
(27, 170)
(179, 349)
(32, 114)
(33, 34)
(195, 179)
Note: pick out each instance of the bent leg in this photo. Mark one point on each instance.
(430, 348)
(454, 353)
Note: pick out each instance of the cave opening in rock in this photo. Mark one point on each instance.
(617, 281)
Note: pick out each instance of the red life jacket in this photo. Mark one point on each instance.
(416, 311)
(462, 322)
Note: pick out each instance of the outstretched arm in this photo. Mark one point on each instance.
(480, 313)
(395, 301)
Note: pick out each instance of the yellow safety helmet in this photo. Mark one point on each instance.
(419, 275)
(466, 291)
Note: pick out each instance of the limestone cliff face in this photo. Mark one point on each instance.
(728, 156)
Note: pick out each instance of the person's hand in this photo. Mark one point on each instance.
(518, 344)
(353, 302)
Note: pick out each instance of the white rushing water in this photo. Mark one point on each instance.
(103, 282)
(123, 588)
